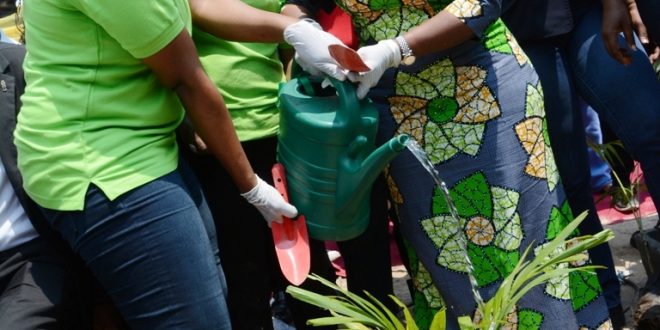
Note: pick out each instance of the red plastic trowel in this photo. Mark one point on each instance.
(290, 237)
(347, 58)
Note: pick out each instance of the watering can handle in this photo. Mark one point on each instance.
(349, 104)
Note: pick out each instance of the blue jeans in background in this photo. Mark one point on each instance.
(601, 174)
(628, 98)
(154, 251)
(569, 145)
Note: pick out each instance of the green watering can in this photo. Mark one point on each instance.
(326, 143)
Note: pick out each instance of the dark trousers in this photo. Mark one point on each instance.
(246, 246)
(247, 250)
(367, 257)
(623, 163)
(39, 289)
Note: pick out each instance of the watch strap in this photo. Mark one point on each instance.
(403, 45)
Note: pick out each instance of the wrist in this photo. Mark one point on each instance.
(406, 53)
(302, 27)
(395, 59)
(251, 186)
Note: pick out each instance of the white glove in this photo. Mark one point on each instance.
(379, 57)
(311, 44)
(269, 202)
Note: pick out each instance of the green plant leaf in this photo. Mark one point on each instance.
(349, 308)
(363, 304)
(392, 318)
(353, 312)
(559, 272)
(349, 322)
(332, 304)
(439, 320)
(410, 321)
(465, 323)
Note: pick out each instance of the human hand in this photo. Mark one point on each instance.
(379, 57)
(651, 47)
(269, 202)
(616, 19)
(187, 136)
(199, 146)
(637, 22)
(654, 53)
(311, 44)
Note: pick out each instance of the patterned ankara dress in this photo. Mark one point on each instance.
(477, 111)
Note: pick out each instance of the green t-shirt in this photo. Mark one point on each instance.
(92, 111)
(248, 77)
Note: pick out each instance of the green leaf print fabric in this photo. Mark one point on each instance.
(477, 111)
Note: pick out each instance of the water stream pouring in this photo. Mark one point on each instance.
(423, 158)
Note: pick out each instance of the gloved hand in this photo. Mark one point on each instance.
(379, 57)
(311, 44)
(269, 202)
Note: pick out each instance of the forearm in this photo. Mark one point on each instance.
(237, 21)
(211, 119)
(616, 19)
(458, 22)
(439, 33)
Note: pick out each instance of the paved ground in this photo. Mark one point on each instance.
(628, 262)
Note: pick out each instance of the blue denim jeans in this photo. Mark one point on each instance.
(627, 97)
(600, 172)
(154, 251)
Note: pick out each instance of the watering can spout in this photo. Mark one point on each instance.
(356, 181)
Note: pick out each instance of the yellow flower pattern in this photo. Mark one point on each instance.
(465, 9)
(480, 231)
(444, 108)
(448, 103)
(533, 136)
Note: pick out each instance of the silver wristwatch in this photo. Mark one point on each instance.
(407, 57)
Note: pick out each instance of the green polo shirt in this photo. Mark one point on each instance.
(92, 111)
(248, 77)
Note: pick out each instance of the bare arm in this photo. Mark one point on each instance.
(237, 21)
(652, 49)
(439, 33)
(616, 19)
(178, 68)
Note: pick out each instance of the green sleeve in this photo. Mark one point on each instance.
(141, 27)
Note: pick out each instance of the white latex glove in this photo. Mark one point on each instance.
(311, 44)
(379, 57)
(269, 202)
